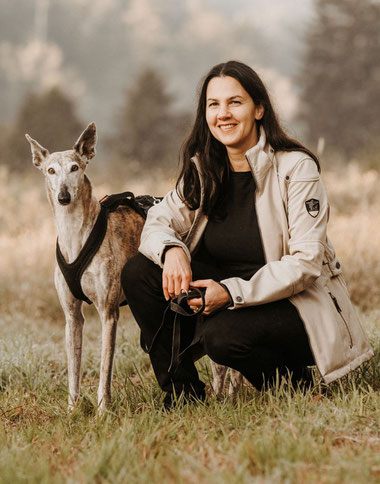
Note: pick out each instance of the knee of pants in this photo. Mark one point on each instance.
(137, 272)
(216, 345)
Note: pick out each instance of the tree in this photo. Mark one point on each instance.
(50, 118)
(148, 130)
(340, 78)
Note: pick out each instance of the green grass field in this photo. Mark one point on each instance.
(328, 435)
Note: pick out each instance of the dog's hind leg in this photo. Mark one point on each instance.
(219, 374)
(236, 380)
(109, 325)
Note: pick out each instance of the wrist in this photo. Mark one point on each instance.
(166, 250)
(230, 300)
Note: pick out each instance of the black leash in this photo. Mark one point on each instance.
(180, 306)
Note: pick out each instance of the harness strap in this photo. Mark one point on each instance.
(72, 272)
(140, 204)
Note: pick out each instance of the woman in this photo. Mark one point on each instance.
(247, 222)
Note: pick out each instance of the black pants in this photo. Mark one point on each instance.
(256, 340)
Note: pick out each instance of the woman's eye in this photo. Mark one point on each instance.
(235, 102)
(74, 168)
(51, 171)
(212, 105)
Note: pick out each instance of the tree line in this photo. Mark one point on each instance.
(340, 97)
(148, 129)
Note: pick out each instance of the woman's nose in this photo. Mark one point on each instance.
(223, 112)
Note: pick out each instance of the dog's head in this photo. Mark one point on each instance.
(64, 170)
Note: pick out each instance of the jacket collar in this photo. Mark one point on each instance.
(259, 157)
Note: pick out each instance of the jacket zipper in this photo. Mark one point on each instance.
(338, 308)
(192, 228)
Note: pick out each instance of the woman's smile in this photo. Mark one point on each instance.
(227, 127)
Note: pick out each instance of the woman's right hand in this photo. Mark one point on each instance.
(176, 274)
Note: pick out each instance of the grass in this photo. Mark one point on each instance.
(327, 435)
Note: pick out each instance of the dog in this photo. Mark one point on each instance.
(76, 210)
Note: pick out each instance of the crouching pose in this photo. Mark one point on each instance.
(247, 222)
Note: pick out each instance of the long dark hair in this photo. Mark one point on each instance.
(212, 154)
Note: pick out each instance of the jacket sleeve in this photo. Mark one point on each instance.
(166, 224)
(299, 268)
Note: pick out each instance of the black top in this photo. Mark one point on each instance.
(234, 243)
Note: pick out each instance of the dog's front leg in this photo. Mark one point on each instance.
(74, 331)
(109, 326)
(72, 308)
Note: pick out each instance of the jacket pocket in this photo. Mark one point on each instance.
(340, 312)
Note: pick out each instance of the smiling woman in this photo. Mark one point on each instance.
(231, 116)
(247, 222)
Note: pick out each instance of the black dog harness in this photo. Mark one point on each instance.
(73, 272)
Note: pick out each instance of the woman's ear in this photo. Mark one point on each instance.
(259, 112)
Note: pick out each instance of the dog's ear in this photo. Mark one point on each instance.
(85, 145)
(39, 153)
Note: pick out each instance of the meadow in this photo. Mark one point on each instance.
(283, 435)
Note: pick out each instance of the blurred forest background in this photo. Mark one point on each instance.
(133, 67)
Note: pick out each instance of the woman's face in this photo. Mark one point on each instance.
(231, 114)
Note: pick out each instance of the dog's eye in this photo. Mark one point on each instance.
(74, 168)
(51, 171)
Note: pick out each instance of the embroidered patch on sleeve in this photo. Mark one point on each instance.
(312, 206)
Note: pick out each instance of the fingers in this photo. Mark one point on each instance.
(165, 286)
(195, 302)
(173, 285)
(216, 296)
(201, 283)
(176, 275)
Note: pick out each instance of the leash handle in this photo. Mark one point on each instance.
(180, 304)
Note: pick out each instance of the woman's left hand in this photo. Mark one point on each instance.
(216, 296)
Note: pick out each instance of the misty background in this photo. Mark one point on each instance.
(133, 67)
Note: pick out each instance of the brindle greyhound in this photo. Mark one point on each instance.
(76, 210)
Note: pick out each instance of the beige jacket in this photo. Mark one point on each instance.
(300, 261)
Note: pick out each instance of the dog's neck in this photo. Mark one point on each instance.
(75, 221)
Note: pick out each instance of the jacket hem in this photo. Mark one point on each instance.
(340, 372)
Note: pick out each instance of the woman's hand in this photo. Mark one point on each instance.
(216, 296)
(176, 274)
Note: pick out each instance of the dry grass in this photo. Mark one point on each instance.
(355, 230)
(27, 232)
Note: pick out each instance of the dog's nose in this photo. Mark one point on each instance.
(64, 197)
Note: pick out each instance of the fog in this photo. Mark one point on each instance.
(94, 49)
